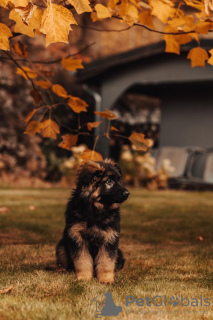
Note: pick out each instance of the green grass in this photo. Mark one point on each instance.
(159, 233)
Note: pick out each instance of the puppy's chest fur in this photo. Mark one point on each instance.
(84, 232)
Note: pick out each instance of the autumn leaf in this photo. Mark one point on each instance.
(91, 125)
(204, 26)
(30, 115)
(50, 129)
(43, 84)
(26, 70)
(36, 96)
(59, 90)
(26, 13)
(55, 23)
(81, 6)
(102, 12)
(4, 3)
(162, 10)
(77, 105)
(33, 127)
(69, 140)
(146, 18)
(6, 290)
(106, 114)
(139, 141)
(90, 155)
(72, 64)
(210, 61)
(113, 128)
(128, 13)
(5, 33)
(20, 49)
(197, 57)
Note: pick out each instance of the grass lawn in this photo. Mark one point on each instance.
(166, 237)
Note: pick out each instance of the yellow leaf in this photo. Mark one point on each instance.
(4, 3)
(72, 64)
(55, 23)
(59, 90)
(43, 84)
(198, 57)
(26, 13)
(94, 16)
(106, 114)
(5, 33)
(81, 6)
(128, 13)
(102, 12)
(33, 127)
(31, 74)
(91, 125)
(69, 140)
(77, 105)
(30, 115)
(113, 128)
(111, 4)
(21, 49)
(91, 155)
(185, 23)
(33, 23)
(146, 18)
(19, 3)
(210, 61)
(204, 26)
(139, 141)
(50, 129)
(173, 42)
(162, 10)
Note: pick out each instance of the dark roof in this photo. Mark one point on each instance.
(99, 66)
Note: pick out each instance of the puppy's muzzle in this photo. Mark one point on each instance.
(125, 194)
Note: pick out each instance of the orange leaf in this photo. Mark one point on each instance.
(90, 155)
(77, 105)
(50, 129)
(43, 84)
(69, 140)
(106, 114)
(36, 96)
(146, 18)
(30, 73)
(20, 49)
(162, 10)
(30, 115)
(72, 64)
(81, 6)
(102, 11)
(198, 57)
(113, 128)
(60, 91)
(33, 127)
(5, 33)
(210, 61)
(139, 141)
(91, 125)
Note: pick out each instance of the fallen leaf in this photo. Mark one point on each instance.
(7, 290)
(106, 114)
(90, 155)
(69, 140)
(91, 125)
(50, 129)
(5, 34)
(72, 64)
(56, 22)
(77, 105)
(198, 56)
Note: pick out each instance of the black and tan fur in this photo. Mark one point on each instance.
(91, 236)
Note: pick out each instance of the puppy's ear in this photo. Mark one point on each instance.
(88, 172)
(118, 168)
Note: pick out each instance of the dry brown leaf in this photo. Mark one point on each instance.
(50, 129)
(72, 64)
(139, 141)
(56, 22)
(43, 84)
(20, 49)
(36, 96)
(59, 90)
(69, 140)
(6, 290)
(5, 34)
(77, 105)
(33, 127)
(30, 73)
(106, 114)
(90, 155)
(198, 56)
(81, 6)
(91, 125)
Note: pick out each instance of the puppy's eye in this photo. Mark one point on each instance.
(109, 182)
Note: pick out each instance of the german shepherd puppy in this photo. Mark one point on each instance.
(91, 236)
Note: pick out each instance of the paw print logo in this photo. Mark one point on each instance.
(173, 301)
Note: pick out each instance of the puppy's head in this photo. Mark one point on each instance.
(100, 183)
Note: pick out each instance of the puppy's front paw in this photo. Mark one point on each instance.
(106, 277)
(84, 275)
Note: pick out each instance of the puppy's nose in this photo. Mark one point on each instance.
(126, 193)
